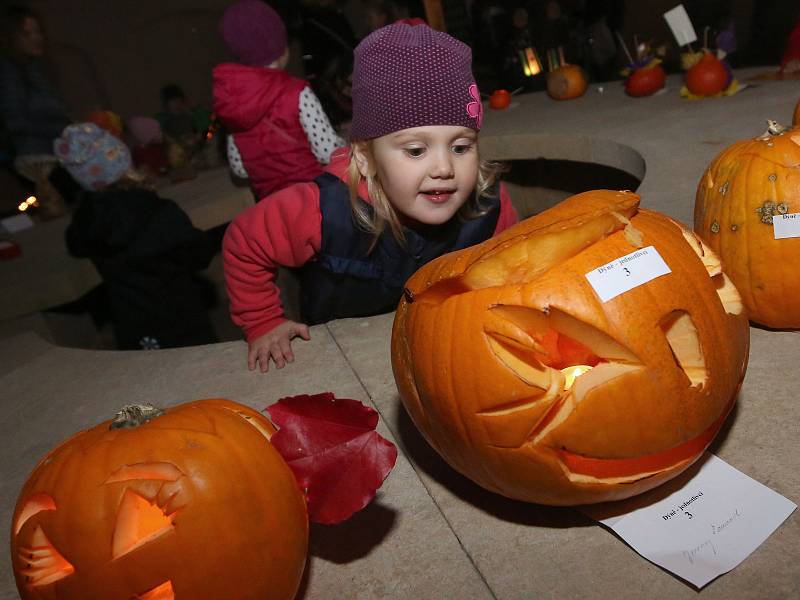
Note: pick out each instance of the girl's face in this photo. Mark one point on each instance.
(428, 173)
(30, 38)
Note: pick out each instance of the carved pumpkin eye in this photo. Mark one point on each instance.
(558, 354)
(43, 563)
(141, 520)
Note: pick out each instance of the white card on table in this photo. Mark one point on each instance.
(786, 226)
(681, 25)
(700, 525)
(627, 272)
(16, 223)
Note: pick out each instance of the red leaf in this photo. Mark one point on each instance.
(334, 452)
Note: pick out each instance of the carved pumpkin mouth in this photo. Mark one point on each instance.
(614, 470)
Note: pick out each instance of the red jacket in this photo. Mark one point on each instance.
(259, 106)
(285, 230)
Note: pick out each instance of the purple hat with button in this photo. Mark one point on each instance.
(93, 156)
(412, 76)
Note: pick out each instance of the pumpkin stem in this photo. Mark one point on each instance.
(133, 415)
(774, 128)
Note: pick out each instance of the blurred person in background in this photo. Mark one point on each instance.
(33, 114)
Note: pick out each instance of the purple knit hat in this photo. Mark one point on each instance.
(254, 32)
(411, 76)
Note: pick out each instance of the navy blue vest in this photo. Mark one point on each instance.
(348, 281)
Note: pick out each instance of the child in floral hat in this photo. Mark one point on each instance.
(144, 247)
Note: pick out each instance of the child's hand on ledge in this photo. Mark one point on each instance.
(275, 345)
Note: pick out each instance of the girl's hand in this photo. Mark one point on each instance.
(277, 345)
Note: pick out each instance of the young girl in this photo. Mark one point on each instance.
(411, 188)
(280, 133)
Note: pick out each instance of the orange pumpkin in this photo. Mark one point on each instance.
(796, 115)
(499, 99)
(741, 191)
(707, 77)
(527, 383)
(645, 81)
(194, 503)
(567, 82)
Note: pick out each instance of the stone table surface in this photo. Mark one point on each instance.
(431, 533)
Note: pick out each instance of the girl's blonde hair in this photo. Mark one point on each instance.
(383, 213)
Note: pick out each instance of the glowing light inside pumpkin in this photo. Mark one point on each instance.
(139, 521)
(572, 373)
(43, 563)
(162, 592)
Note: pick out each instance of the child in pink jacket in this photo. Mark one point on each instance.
(279, 132)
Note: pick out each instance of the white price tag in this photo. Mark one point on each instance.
(786, 226)
(627, 272)
(681, 25)
(701, 524)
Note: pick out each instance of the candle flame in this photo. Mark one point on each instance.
(28, 202)
(572, 373)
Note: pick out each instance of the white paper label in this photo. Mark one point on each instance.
(700, 525)
(786, 226)
(627, 272)
(16, 223)
(681, 25)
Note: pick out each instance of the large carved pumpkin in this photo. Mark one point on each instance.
(524, 381)
(741, 191)
(194, 504)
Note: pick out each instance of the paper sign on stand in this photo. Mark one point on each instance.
(699, 525)
(681, 25)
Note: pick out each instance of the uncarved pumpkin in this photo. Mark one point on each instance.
(567, 82)
(645, 81)
(708, 77)
(741, 190)
(194, 504)
(499, 99)
(527, 383)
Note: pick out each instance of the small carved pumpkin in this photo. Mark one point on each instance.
(526, 382)
(566, 82)
(741, 191)
(193, 504)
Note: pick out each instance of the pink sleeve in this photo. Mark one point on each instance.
(508, 214)
(284, 229)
